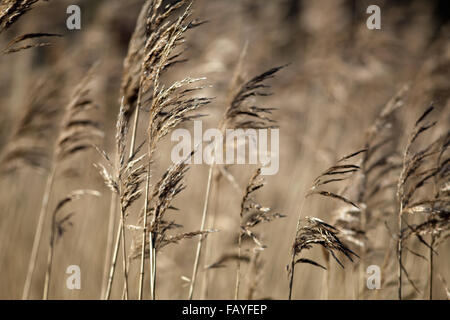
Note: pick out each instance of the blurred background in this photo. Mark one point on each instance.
(340, 76)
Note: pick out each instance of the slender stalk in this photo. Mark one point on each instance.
(325, 293)
(291, 276)
(238, 269)
(152, 247)
(202, 228)
(144, 230)
(430, 271)
(241, 234)
(128, 268)
(399, 252)
(49, 260)
(48, 272)
(112, 267)
(363, 254)
(107, 286)
(124, 255)
(109, 242)
(254, 275)
(153, 278)
(152, 254)
(152, 261)
(144, 239)
(135, 125)
(39, 229)
(152, 250)
(115, 253)
(209, 246)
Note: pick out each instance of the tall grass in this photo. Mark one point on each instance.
(389, 198)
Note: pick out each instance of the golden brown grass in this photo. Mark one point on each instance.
(389, 198)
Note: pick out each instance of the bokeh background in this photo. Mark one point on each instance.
(339, 77)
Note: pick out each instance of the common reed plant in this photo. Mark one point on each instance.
(79, 130)
(28, 145)
(160, 227)
(151, 53)
(251, 215)
(374, 183)
(316, 230)
(339, 91)
(239, 114)
(59, 225)
(124, 178)
(129, 92)
(427, 164)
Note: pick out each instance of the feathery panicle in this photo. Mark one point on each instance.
(80, 131)
(240, 114)
(317, 232)
(14, 46)
(417, 171)
(12, 10)
(124, 178)
(373, 176)
(152, 30)
(385, 117)
(252, 214)
(28, 146)
(227, 257)
(169, 106)
(151, 52)
(60, 224)
(129, 89)
(127, 178)
(337, 173)
(412, 177)
(75, 134)
(164, 193)
(374, 180)
(436, 210)
(58, 228)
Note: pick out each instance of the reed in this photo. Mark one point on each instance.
(251, 215)
(59, 226)
(76, 133)
(238, 115)
(316, 231)
(427, 164)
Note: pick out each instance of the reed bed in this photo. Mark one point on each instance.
(142, 226)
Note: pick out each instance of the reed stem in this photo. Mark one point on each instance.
(202, 228)
(39, 229)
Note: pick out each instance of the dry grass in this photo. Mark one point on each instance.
(78, 132)
(416, 172)
(251, 215)
(238, 115)
(337, 88)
